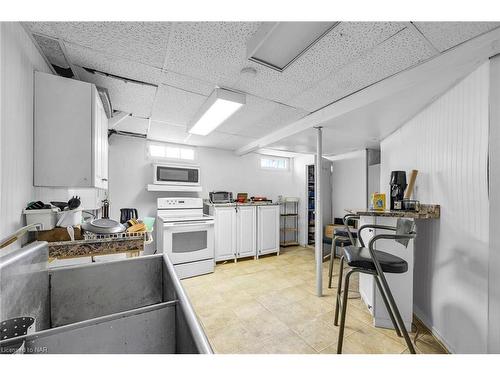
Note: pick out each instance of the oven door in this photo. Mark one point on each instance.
(189, 241)
(176, 175)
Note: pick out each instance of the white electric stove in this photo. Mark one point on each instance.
(186, 235)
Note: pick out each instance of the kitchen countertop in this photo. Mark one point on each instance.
(427, 211)
(86, 248)
(208, 203)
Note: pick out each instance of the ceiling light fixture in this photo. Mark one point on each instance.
(219, 106)
(278, 44)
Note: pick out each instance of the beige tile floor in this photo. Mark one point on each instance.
(269, 306)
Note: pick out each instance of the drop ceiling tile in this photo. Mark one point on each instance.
(144, 42)
(45, 28)
(345, 43)
(177, 134)
(220, 140)
(133, 98)
(444, 35)
(187, 83)
(134, 125)
(398, 53)
(86, 57)
(176, 106)
(159, 131)
(259, 117)
(210, 51)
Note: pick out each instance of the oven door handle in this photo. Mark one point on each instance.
(191, 224)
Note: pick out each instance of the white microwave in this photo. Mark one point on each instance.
(176, 174)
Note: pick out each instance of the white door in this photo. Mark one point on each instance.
(225, 233)
(246, 236)
(268, 237)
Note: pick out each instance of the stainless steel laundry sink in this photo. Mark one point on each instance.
(135, 305)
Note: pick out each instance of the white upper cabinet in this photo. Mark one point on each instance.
(70, 134)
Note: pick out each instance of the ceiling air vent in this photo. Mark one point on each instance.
(54, 54)
(278, 44)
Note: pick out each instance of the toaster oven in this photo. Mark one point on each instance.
(220, 197)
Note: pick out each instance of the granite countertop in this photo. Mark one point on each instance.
(240, 204)
(427, 211)
(104, 246)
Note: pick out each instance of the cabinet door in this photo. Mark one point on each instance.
(100, 132)
(104, 149)
(246, 236)
(225, 233)
(268, 238)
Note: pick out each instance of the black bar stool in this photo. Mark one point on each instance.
(376, 263)
(341, 239)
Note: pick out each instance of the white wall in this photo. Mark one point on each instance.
(130, 171)
(494, 188)
(19, 59)
(448, 143)
(349, 182)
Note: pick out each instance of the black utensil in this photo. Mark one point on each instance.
(74, 203)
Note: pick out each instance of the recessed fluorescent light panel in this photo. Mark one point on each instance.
(220, 105)
(278, 44)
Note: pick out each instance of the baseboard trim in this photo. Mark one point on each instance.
(422, 319)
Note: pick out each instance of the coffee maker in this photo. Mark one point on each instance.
(398, 186)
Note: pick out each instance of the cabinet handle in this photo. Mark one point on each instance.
(104, 179)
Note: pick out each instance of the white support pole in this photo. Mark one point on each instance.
(318, 217)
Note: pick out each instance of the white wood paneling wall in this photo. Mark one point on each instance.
(19, 59)
(448, 143)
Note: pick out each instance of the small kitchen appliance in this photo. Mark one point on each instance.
(220, 197)
(398, 186)
(128, 213)
(186, 235)
(176, 174)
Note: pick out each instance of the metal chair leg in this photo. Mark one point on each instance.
(387, 306)
(397, 315)
(330, 266)
(339, 290)
(345, 293)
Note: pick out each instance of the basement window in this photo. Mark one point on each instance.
(275, 163)
(168, 151)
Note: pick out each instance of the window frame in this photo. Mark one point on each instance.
(166, 145)
(275, 169)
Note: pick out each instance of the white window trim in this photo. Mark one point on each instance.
(287, 163)
(170, 159)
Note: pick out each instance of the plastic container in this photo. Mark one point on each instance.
(69, 218)
(46, 217)
(149, 222)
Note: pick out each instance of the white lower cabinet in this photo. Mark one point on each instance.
(268, 229)
(246, 239)
(245, 231)
(225, 233)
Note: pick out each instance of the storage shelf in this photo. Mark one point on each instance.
(154, 187)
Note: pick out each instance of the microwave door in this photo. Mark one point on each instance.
(177, 175)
